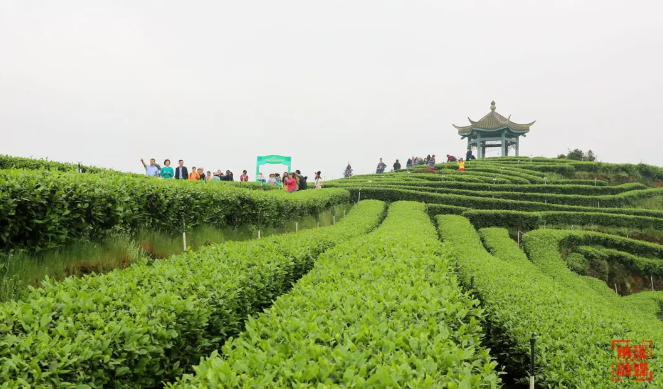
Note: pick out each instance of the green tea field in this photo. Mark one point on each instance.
(416, 279)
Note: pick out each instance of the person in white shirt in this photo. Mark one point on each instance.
(151, 169)
(318, 180)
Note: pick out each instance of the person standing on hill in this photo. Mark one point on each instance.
(150, 170)
(291, 183)
(461, 165)
(318, 180)
(201, 174)
(194, 176)
(431, 163)
(348, 171)
(469, 156)
(181, 173)
(408, 164)
(381, 167)
(244, 177)
(167, 170)
(301, 180)
(397, 165)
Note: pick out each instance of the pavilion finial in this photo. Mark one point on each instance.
(492, 105)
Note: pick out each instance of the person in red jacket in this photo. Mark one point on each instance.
(291, 183)
(244, 176)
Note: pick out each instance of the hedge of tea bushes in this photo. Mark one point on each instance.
(569, 239)
(383, 310)
(44, 209)
(135, 327)
(573, 335)
(612, 201)
(650, 302)
(247, 185)
(9, 162)
(516, 175)
(527, 221)
(395, 194)
(581, 182)
(446, 175)
(486, 175)
(499, 244)
(636, 264)
(643, 170)
(584, 190)
(544, 248)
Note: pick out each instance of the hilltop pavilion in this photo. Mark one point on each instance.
(490, 130)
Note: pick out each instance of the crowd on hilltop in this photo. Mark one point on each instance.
(291, 181)
(181, 172)
(429, 161)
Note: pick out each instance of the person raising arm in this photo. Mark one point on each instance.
(151, 170)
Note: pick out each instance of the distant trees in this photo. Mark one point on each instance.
(579, 155)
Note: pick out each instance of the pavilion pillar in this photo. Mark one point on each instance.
(517, 146)
(503, 145)
(479, 149)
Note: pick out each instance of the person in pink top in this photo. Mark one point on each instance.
(244, 176)
(291, 183)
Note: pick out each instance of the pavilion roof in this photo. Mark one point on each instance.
(493, 121)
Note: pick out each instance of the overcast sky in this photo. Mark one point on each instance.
(218, 83)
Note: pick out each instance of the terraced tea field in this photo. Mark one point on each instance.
(433, 280)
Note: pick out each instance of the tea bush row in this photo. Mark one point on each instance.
(612, 201)
(383, 310)
(637, 264)
(472, 202)
(573, 336)
(10, 162)
(588, 190)
(133, 328)
(44, 209)
(527, 221)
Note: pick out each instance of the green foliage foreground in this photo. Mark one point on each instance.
(574, 332)
(134, 328)
(47, 209)
(381, 311)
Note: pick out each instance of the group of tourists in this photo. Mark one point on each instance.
(182, 173)
(428, 160)
(415, 161)
(291, 181)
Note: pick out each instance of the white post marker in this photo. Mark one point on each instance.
(258, 234)
(334, 219)
(296, 226)
(520, 233)
(183, 233)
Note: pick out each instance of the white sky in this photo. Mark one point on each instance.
(219, 82)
